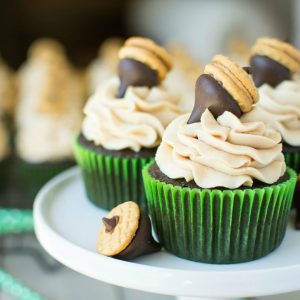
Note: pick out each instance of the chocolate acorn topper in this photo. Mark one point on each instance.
(224, 86)
(126, 233)
(273, 61)
(142, 63)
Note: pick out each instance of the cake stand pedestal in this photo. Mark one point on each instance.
(66, 225)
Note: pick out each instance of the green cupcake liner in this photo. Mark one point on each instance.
(30, 178)
(293, 160)
(5, 174)
(110, 181)
(219, 226)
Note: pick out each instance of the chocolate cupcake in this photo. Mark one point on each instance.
(105, 66)
(123, 125)
(5, 160)
(48, 115)
(218, 191)
(274, 65)
(181, 79)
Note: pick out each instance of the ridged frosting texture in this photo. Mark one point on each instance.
(223, 152)
(138, 120)
(280, 107)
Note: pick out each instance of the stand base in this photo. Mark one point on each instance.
(67, 225)
(191, 298)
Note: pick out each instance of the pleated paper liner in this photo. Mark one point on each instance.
(30, 177)
(219, 226)
(292, 160)
(110, 181)
(5, 176)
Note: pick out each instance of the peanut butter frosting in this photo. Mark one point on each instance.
(50, 109)
(4, 143)
(105, 66)
(280, 107)
(181, 79)
(224, 152)
(137, 120)
(7, 89)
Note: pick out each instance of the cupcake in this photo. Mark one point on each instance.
(181, 79)
(4, 157)
(219, 191)
(274, 66)
(48, 115)
(123, 125)
(105, 65)
(7, 92)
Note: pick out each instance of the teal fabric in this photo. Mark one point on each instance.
(16, 289)
(16, 221)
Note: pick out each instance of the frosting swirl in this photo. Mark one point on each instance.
(135, 121)
(280, 108)
(223, 152)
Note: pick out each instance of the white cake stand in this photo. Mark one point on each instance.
(66, 225)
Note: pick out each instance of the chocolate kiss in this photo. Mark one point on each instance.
(143, 242)
(134, 73)
(267, 70)
(210, 94)
(110, 224)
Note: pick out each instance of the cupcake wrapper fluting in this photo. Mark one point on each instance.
(219, 226)
(293, 160)
(110, 181)
(5, 175)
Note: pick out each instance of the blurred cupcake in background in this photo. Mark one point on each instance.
(239, 50)
(4, 157)
(181, 79)
(274, 68)
(105, 65)
(8, 93)
(124, 122)
(48, 115)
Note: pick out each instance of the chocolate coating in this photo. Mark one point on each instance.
(210, 94)
(110, 224)
(267, 70)
(143, 242)
(247, 69)
(134, 73)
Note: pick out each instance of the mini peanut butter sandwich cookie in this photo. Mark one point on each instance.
(126, 233)
(273, 61)
(223, 86)
(142, 63)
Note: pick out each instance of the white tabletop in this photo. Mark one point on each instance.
(66, 225)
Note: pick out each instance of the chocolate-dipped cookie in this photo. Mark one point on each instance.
(142, 63)
(126, 233)
(273, 61)
(224, 86)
